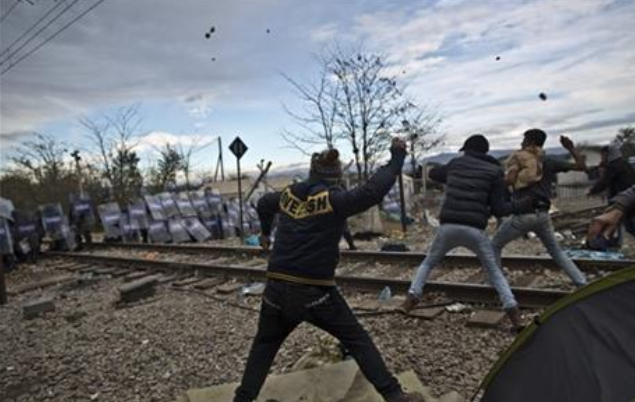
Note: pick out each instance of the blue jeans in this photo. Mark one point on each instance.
(539, 223)
(451, 236)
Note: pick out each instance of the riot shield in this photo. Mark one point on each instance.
(54, 222)
(185, 205)
(129, 228)
(214, 200)
(213, 226)
(196, 229)
(82, 214)
(169, 205)
(29, 230)
(200, 205)
(154, 206)
(6, 209)
(158, 232)
(178, 232)
(110, 216)
(138, 214)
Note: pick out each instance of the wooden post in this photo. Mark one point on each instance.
(402, 200)
(240, 200)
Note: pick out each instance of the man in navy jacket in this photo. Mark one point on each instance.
(301, 285)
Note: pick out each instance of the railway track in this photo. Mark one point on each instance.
(464, 292)
(409, 258)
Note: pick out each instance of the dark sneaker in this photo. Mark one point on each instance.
(409, 304)
(515, 318)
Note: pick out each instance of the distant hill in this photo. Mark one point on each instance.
(445, 157)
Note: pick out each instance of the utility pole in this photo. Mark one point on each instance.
(219, 162)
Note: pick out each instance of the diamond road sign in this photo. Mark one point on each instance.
(238, 147)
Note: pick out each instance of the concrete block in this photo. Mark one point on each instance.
(133, 276)
(210, 283)
(42, 284)
(427, 313)
(138, 289)
(187, 281)
(486, 319)
(105, 271)
(35, 308)
(229, 288)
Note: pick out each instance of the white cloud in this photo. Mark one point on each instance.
(578, 52)
(324, 33)
(156, 140)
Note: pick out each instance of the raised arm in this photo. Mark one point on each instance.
(580, 160)
(348, 203)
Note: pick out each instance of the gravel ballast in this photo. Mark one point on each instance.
(156, 349)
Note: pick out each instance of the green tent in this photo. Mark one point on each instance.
(581, 349)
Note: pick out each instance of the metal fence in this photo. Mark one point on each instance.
(574, 197)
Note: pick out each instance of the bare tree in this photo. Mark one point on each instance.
(114, 140)
(41, 172)
(358, 100)
(43, 157)
(421, 127)
(318, 114)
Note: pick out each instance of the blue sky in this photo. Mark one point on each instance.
(580, 53)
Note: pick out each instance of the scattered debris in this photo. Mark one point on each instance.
(229, 288)
(486, 319)
(386, 294)
(255, 289)
(426, 313)
(457, 307)
(210, 283)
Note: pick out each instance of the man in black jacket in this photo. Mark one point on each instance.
(301, 270)
(475, 190)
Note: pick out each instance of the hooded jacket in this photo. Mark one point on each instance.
(311, 218)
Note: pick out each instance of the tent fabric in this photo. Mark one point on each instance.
(581, 349)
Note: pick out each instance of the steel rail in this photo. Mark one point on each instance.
(409, 258)
(466, 292)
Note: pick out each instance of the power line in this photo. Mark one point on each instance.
(59, 3)
(9, 10)
(59, 31)
(35, 35)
